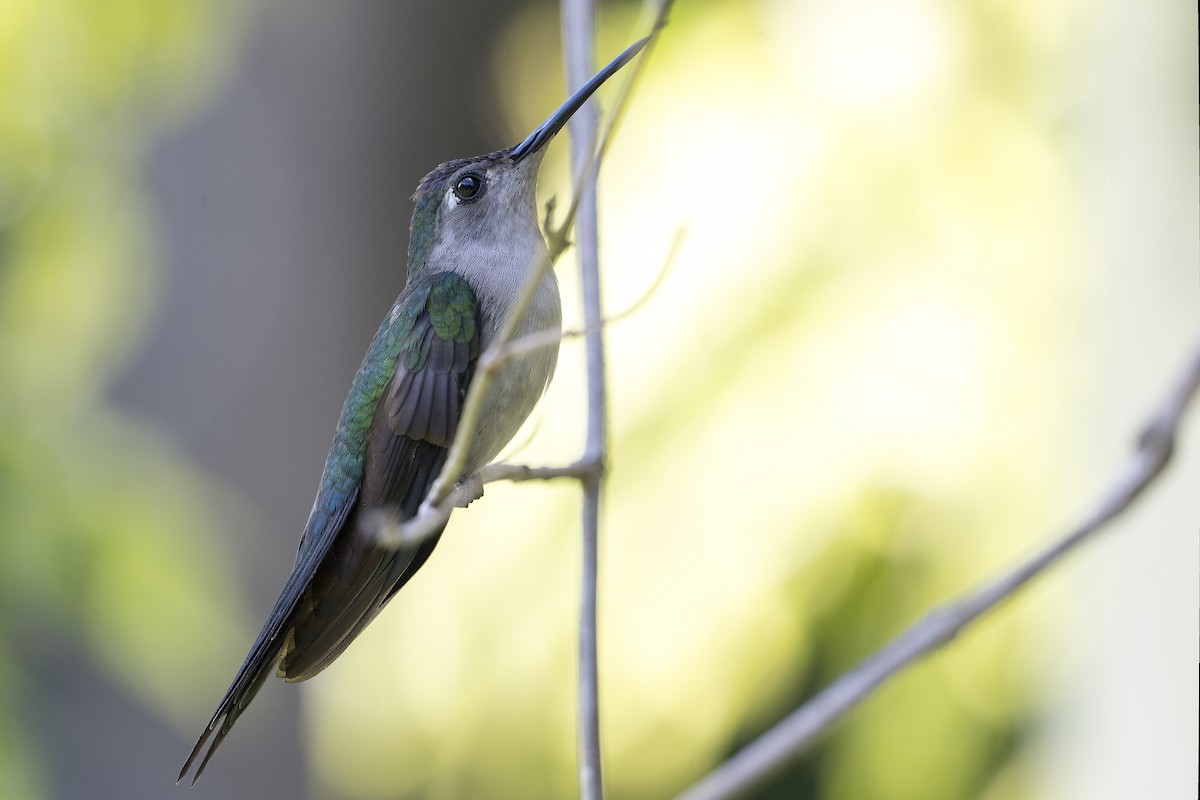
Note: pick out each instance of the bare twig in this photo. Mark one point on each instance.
(391, 531)
(481, 382)
(447, 492)
(781, 745)
(497, 357)
(437, 503)
(579, 35)
(668, 262)
(578, 25)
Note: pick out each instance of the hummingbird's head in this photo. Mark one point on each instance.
(473, 202)
(490, 200)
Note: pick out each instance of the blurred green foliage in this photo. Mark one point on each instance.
(102, 522)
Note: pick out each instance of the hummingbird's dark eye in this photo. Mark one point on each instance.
(468, 186)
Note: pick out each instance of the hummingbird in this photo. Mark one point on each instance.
(474, 241)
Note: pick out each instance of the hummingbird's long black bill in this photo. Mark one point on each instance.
(545, 132)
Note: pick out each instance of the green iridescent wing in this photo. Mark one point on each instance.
(424, 398)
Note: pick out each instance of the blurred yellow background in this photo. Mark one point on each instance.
(940, 259)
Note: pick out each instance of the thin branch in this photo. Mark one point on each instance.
(391, 531)
(579, 33)
(497, 357)
(481, 381)
(437, 503)
(656, 284)
(481, 384)
(447, 491)
(579, 37)
(784, 743)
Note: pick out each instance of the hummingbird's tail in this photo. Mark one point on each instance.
(265, 652)
(245, 686)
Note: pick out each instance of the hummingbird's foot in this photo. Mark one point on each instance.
(470, 488)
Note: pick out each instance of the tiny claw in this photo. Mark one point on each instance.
(472, 486)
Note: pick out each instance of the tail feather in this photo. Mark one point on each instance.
(249, 680)
(301, 663)
(265, 652)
